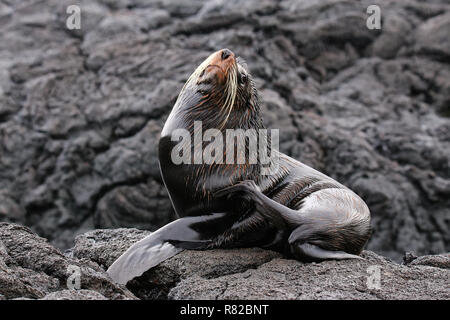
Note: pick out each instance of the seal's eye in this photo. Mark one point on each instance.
(242, 78)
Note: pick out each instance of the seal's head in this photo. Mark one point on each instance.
(220, 92)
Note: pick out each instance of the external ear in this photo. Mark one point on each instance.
(241, 62)
(242, 78)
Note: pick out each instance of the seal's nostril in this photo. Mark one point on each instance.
(225, 54)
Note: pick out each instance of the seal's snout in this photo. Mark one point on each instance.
(219, 65)
(223, 59)
(226, 53)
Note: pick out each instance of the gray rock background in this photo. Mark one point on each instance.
(80, 111)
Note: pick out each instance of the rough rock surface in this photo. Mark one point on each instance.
(260, 274)
(30, 268)
(81, 110)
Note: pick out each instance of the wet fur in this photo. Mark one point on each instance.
(298, 211)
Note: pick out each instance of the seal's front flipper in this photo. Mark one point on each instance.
(159, 246)
(140, 257)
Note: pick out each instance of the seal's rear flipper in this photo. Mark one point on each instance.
(311, 252)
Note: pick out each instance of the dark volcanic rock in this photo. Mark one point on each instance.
(81, 110)
(105, 246)
(260, 274)
(74, 295)
(31, 268)
(438, 261)
(432, 37)
(289, 279)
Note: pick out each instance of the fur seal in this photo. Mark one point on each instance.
(296, 210)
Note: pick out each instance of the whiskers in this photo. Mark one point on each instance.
(230, 94)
